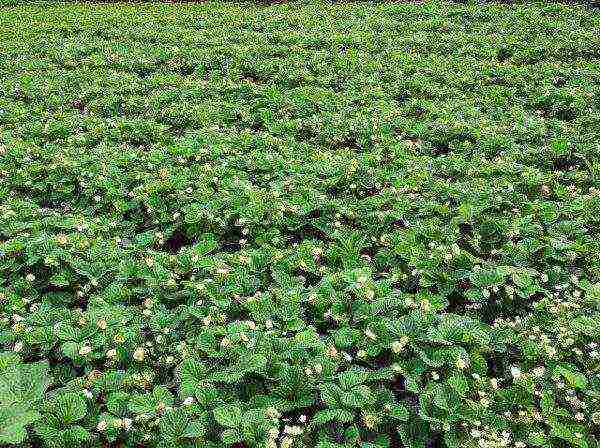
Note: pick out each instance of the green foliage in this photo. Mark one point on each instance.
(305, 225)
(22, 388)
(229, 415)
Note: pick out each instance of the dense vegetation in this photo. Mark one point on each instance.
(304, 225)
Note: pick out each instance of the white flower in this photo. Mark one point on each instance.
(272, 413)
(515, 372)
(102, 425)
(188, 401)
(398, 346)
(292, 430)
(461, 363)
(224, 270)
(18, 346)
(139, 354)
(30, 277)
(85, 350)
(87, 393)
(111, 353)
(62, 239)
(332, 351)
(539, 371)
(370, 334)
(127, 422)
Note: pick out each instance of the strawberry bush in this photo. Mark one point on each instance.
(300, 225)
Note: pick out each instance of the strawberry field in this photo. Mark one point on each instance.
(370, 225)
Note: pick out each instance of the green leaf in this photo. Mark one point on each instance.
(70, 349)
(8, 359)
(352, 399)
(147, 403)
(116, 403)
(13, 420)
(459, 383)
(232, 436)
(173, 424)
(345, 337)
(399, 412)
(48, 433)
(68, 408)
(329, 415)
(252, 363)
(229, 415)
(568, 432)
(537, 439)
(575, 379)
(23, 384)
(547, 403)
(76, 434)
(190, 373)
(195, 429)
(229, 376)
(354, 377)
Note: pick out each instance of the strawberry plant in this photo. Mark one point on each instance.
(299, 225)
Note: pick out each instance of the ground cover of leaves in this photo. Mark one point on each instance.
(304, 225)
